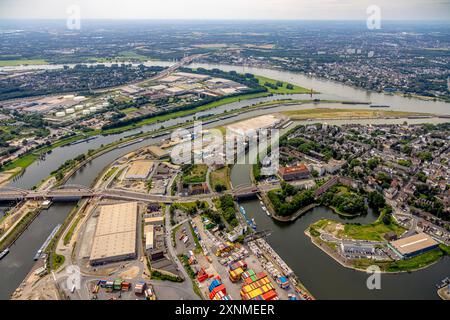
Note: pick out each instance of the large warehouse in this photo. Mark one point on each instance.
(139, 170)
(115, 236)
(414, 245)
(255, 124)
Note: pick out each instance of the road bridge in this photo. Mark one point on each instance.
(76, 192)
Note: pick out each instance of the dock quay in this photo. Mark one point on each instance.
(261, 248)
(276, 266)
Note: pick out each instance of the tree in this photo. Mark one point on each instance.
(376, 200)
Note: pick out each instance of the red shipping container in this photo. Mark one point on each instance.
(272, 294)
(203, 277)
(218, 289)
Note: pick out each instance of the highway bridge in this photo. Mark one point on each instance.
(76, 192)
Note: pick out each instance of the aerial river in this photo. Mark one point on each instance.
(322, 275)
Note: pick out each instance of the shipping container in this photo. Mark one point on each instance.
(220, 288)
(214, 284)
(118, 284)
(247, 274)
(259, 276)
(239, 264)
(235, 275)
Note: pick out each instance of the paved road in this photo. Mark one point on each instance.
(187, 283)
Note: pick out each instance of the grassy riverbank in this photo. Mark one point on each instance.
(332, 113)
(20, 62)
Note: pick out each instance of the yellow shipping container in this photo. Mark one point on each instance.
(255, 285)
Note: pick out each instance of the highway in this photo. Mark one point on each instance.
(78, 192)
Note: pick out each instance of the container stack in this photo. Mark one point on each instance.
(217, 290)
(258, 287)
(236, 270)
(202, 275)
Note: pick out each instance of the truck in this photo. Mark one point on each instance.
(140, 287)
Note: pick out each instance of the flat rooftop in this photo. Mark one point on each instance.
(115, 235)
(158, 152)
(413, 243)
(139, 169)
(261, 122)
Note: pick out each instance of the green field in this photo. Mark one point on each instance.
(220, 177)
(281, 89)
(373, 232)
(11, 63)
(129, 110)
(195, 174)
(124, 56)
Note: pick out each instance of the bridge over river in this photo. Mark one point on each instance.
(76, 192)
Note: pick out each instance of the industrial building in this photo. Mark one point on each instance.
(259, 123)
(414, 245)
(158, 152)
(154, 241)
(139, 170)
(115, 235)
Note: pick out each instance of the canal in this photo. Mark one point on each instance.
(15, 266)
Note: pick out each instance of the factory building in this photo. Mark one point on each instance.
(414, 245)
(115, 235)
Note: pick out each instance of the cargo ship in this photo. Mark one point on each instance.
(130, 143)
(4, 253)
(47, 242)
(81, 141)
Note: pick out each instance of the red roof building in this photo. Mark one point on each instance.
(294, 173)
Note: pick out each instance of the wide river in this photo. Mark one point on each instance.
(322, 275)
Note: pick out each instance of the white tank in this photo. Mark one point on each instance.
(60, 114)
(70, 110)
(79, 107)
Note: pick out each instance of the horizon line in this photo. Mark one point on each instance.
(221, 19)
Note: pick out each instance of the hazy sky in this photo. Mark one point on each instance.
(228, 9)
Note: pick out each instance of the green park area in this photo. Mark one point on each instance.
(280, 87)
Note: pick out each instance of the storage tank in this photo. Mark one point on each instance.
(60, 114)
(79, 107)
(70, 110)
(92, 109)
(86, 112)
